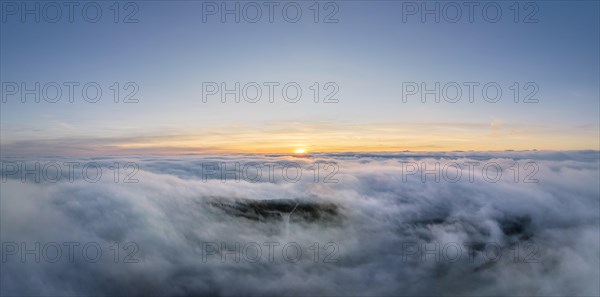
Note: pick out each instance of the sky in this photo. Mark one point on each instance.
(160, 71)
(372, 50)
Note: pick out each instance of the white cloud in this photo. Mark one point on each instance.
(167, 215)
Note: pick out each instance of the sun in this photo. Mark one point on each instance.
(300, 151)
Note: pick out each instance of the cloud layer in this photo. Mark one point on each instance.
(397, 234)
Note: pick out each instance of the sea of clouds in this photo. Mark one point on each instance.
(534, 230)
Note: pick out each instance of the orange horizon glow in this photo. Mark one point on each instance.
(324, 138)
(164, 148)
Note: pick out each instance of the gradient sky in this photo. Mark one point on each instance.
(368, 54)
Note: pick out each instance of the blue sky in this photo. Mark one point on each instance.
(369, 53)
